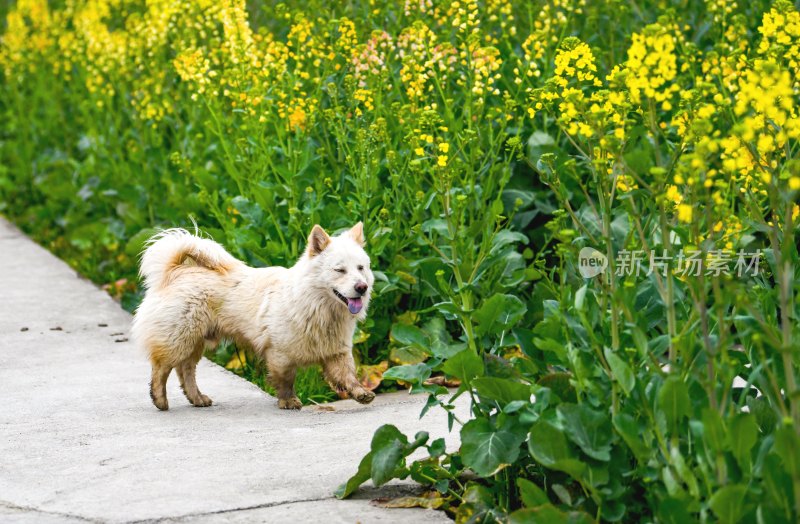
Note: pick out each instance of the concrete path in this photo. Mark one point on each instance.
(80, 440)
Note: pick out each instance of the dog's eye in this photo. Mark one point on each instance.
(340, 270)
(361, 268)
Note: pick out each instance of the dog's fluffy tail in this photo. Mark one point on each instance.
(173, 247)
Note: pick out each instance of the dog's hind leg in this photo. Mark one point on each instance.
(187, 375)
(340, 372)
(281, 376)
(158, 385)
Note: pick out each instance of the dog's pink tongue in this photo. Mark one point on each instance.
(354, 305)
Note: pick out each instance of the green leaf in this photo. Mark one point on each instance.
(630, 432)
(728, 503)
(787, 447)
(621, 371)
(673, 400)
(388, 446)
(673, 511)
(548, 446)
(486, 450)
(548, 514)
(498, 314)
(135, 245)
(580, 296)
(777, 483)
(713, 429)
(250, 211)
(412, 373)
(361, 476)
(407, 355)
(531, 494)
(589, 429)
(743, 436)
(501, 390)
(465, 366)
(410, 336)
(765, 416)
(445, 350)
(559, 384)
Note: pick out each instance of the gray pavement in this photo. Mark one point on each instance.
(80, 440)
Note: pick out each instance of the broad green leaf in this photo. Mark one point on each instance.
(446, 350)
(250, 211)
(485, 449)
(478, 501)
(743, 436)
(407, 355)
(714, 429)
(777, 483)
(435, 328)
(135, 245)
(589, 429)
(621, 371)
(673, 511)
(449, 310)
(548, 446)
(765, 415)
(501, 390)
(353, 483)
(465, 366)
(559, 384)
(388, 445)
(673, 401)
(412, 373)
(630, 432)
(410, 336)
(498, 314)
(728, 503)
(548, 514)
(531, 494)
(684, 472)
(787, 447)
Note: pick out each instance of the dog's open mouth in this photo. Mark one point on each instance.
(354, 305)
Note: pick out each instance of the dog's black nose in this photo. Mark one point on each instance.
(361, 288)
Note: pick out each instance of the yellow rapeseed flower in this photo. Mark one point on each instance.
(685, 213)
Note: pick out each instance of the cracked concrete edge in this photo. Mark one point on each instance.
(10, 512)
(348, 510)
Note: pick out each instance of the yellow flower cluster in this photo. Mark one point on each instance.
(780, 31)
(415, 50)
(652, 65)
(484, 65)
(575, 60)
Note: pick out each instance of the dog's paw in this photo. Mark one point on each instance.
(363, 396)
(202, 401)
(161, 403)
(290, 403)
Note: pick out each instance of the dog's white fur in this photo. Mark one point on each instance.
(198, 293)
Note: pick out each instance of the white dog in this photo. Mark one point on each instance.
(197, 293)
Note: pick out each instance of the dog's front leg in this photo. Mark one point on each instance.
(340, 372)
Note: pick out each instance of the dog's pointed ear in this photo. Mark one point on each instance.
(357, 233)
(318, 240)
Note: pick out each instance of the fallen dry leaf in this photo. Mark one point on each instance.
(441, 380)
(370, 376)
